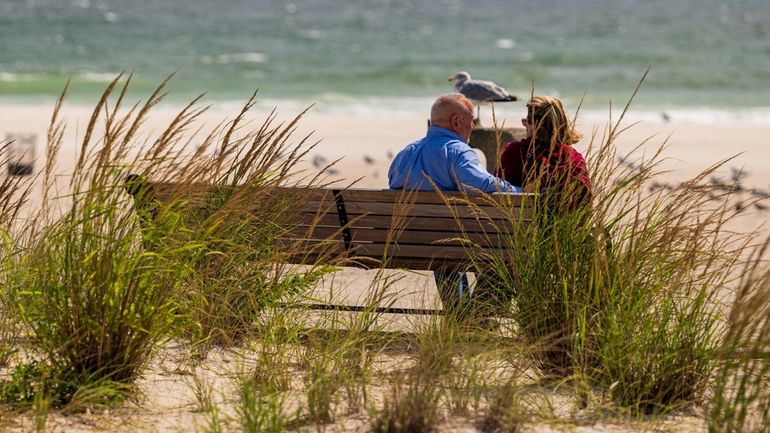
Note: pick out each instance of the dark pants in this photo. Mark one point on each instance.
(453, 287)
(489, 297)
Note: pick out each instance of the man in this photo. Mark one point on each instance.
(443, 160)
(443, 156)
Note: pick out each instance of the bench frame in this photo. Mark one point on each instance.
(369, 228)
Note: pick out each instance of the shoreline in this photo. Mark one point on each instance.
(355, 138)
(363, 145)
(418, 106)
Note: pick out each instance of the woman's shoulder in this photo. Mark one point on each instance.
(516, 147)
(517, 143)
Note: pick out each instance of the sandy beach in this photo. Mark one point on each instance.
(364, 145)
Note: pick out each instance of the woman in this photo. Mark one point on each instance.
(545, 159)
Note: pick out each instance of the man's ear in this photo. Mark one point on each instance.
(453, 121)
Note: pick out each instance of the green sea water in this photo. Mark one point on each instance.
(706, 56)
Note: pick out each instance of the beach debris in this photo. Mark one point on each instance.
(480, 91)
(318, 161)
(630, 164)
(19, 153)
(658, 185)
(716, 189)
(756, 192)
(331, 170)
(736, 176)
(390, 154)
(368, 159)
(376, 175)
(716, 181)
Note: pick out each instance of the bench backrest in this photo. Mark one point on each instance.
(383, 228)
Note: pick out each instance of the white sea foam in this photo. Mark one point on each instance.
(12, 77)
(505, 44)
(9, 77)
(313, 34)
(234, 58)
(340, 104)
(97, 77)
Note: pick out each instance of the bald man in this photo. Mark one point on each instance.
(443, 156)
(444, 159)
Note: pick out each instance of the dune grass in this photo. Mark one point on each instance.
(98, 286)
(625, 294)
(741, 398)
(14, 193)
(622, 301)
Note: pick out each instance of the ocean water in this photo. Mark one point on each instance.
(708, 59)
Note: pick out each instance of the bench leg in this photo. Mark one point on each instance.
(453, 287)
(489, 299)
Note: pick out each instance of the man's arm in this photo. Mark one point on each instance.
(471, 173)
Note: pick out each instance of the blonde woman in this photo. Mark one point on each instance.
(545, 159)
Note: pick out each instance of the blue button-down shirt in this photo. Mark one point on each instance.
(446, 159)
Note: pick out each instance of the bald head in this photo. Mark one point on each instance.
(453, 111)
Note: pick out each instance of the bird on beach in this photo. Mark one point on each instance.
(318, 161)
(480, 91)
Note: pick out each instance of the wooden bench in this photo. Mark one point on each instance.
(368, 228)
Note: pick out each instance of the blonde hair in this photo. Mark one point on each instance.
(550, 122)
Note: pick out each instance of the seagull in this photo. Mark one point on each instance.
(479, 91)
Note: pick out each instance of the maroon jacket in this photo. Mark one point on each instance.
(561, 164)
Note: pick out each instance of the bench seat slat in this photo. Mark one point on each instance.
(428, 237)
(413, 222)
(413, 251)
(427, 197)
(402, 237)
(417, 263)
(469, 225)
(421, 210)
(370, 256)
(165, 190)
